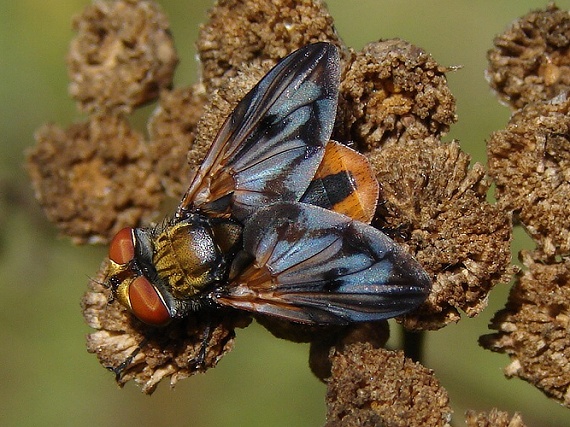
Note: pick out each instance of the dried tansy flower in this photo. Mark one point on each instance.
(239, 32)
(393, 90)
(94, 178)
(172, 130)
(372, 387)
(533, 328)
(395, 102)
(530, 60)
(495, 418)
(146, 355)
(530, 163)
(97, 177)
(122, 56)
(436, 206)
(373, 333)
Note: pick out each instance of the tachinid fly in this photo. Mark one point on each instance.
(275, 219)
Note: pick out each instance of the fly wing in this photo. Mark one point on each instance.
(271, 145)
(314, 266)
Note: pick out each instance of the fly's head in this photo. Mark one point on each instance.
(133, 281)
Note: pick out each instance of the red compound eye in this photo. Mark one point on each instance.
(122, 248)
(146, 303)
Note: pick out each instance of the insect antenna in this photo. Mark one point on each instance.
(105, 285)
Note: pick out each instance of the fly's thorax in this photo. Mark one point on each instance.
(192, 255)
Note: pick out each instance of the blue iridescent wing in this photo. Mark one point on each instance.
(271, 145)
(314, 266)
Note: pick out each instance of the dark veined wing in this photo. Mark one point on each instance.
(271, 145)
(319, 267)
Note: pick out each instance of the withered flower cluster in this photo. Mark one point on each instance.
(529, 160)
(96, 177)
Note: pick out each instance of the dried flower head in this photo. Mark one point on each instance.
(371, 387)
(533, 327)
(530, 162)
(324, 343)
(435, 204)
(94, 178)
(494, 418)
(134, 351)
(393, 90)
(172, 131)
(241, 32)
(530, 60)
(122, 56)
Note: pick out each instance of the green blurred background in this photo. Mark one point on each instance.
(46, 375)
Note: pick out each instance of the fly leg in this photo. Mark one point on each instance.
(200, 359)
(118, 370)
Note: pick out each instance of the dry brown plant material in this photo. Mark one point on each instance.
(240, 32)
(533, 327)
(494, 418)
(436, 205)
(530, 61)
(172, 130)
(374, 333)
(122, 56)
(94, 178)
(375, 387)
(394, 91)
(530, 162)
